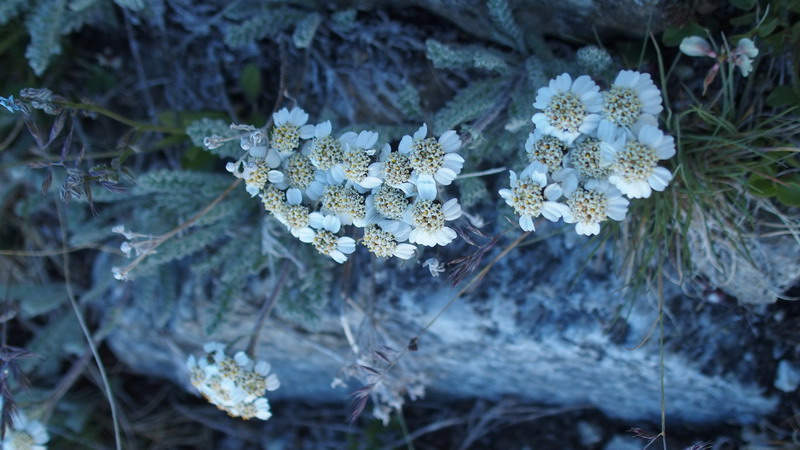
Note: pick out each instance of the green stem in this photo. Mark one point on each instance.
(121, 119)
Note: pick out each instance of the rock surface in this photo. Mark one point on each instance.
(538, 328)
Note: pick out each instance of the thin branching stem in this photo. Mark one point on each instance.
(267, 307)
(120, 118)
(87, 334)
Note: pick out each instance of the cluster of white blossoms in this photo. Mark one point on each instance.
(590, 150)
(236, 385)
(26, 435)
(315, 184)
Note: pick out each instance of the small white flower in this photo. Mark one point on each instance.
(289, 127)
(433, 161)
(323, 237)
(385, 239)
(387, 201)
(428, 219)
(236, 385)
(395, 169)
(568, 108)
(545, 149)
(347, 204)
(357, 166)
(592, 204)
(326, 152)
(697, 46)
(635, 170)
(299, 174)
(632, 95)
(26, 435)
(531, 197)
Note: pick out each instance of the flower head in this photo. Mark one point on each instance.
(432, 160)
(428, 219)
(326, 151)
(237, 385)
(357, 166)
(634, 168)
(385, 239)
(531, 197)
(547, 150)
(742, 56)
(592, 204)
(632, 95)
(568, 108)
(26, 435)
(323, 235)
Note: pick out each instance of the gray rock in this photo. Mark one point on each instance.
(535, 329)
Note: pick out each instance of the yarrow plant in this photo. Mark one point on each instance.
(590, 150)
(236, 385)
(315, 184)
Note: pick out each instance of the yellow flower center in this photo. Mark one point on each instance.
(636, 161)
(285, 137)
(326, 152)
(565, 112)
(548, 150)
(622, 106)
(588, 206)
(396, 169)
(586, 159)
(379, 242)
(528, 199)
(428, 215)
(390, 202)
(427, 155)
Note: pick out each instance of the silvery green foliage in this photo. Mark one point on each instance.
(453, 57)
(306, 28)
(469, 104)
(9, 9)
(507, 27)
(48, 21)
(199, 130)
(267, 22)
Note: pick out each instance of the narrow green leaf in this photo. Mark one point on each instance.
(250, 81)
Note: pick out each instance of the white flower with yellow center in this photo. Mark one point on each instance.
(287, 130)
(255, 173)
(634, 165)
(432, 161)
(326, 152)
(357, 166)
(235, 384)
(531, 197)
(568, 108)
(585, 156)
(632, 96)
(385, 239)
(592, 204)
(428, 219)
(301, 177)
(395, 169)
(26, 435)
(346, 204)
(323, 237)
(545, 149)
(387, 201)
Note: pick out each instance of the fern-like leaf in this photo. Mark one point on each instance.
(468, 104)
(10, 9)
(45, 26)
(267, 24)
(305, 30)
(503, 20)
(453, 57)
(203, 128)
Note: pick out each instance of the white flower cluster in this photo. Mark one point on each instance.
(26, 435)
(315, 183)
(235, 385)
(589, 148)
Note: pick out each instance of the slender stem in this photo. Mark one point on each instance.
(165, 237)
(121, 119)
(87, 334)
(481, 173)
(266, 308)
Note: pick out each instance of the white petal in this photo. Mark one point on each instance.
(444, 176)
(346, 245)
(553, 192)
(445, 236)
(404, 251)
(338, 256)
(306, 235)
(323, 129)
(451, 209)
(258, 151)
(307, 131)
(405, 145)
(526, 222)
(294, 196)
(426, 186)
(331, 223)
(660, 178)
(421, 132)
